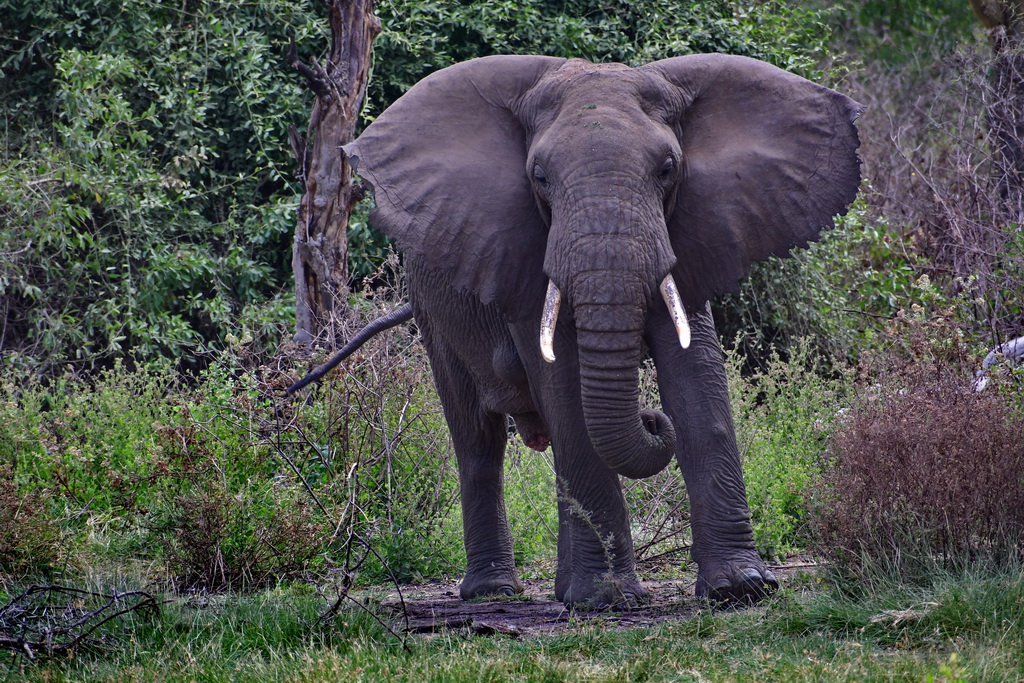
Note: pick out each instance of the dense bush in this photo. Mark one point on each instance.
(835, 295)
(923, 470)
(146, 189)
(898, 32)
(221, 483)
(144, 196)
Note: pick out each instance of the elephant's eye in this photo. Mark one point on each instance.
(668, 169)
(540, 176)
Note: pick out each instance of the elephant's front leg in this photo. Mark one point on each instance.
(490, 563)
(695, 394)
(596, 563)
(479, 438)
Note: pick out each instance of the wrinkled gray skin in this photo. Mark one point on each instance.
(500, 174)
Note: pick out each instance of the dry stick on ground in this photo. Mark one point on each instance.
(26, 629)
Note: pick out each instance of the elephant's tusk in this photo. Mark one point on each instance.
(552, 301)
(676, 310)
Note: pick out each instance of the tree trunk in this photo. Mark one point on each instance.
(320, 256)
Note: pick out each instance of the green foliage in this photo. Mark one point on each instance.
(222, 484)
(145, 202)
(132, 464)
(835, 294)
(784, 416)
(531, 502)
(87, 442)
(419, 38)
(896, 30)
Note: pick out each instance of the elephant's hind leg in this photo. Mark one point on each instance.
(479, 437)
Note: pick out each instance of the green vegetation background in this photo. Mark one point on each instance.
(147, 200)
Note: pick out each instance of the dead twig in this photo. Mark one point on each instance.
(48, 625)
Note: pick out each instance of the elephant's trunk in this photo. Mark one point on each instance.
(610, 309)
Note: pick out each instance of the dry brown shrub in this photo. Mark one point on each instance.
(923, 468)
(221, 541)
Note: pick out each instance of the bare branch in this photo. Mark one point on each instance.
(35, 622)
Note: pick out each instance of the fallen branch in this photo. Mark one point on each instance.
(31, 625)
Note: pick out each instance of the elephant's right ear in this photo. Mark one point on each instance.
(447, 165)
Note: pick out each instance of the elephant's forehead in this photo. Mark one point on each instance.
(581, 80)
(580, 88)
(574, 68)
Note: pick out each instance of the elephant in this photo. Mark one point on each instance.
(560, 220)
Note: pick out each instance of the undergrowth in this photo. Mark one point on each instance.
(225, 484)
(924, 470)
(958, 626)
(784, 416)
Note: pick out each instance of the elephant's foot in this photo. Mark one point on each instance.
(602, 592)
(734, 583)
(489, 585)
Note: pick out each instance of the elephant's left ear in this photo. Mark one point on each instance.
(769, 159)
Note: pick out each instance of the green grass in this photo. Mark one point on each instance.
(967, 626)
(133, 477)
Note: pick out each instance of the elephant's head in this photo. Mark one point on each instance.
(603, 185)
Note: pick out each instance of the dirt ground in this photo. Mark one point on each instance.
(436, 608)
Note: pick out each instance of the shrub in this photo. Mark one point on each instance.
(88, 444)
(29, 539)
(833, 295)
(421, 37)
(784, 416)
(922, 469)
(371, 441)
(216, 539)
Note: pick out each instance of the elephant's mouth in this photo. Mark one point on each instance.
(553, 302)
